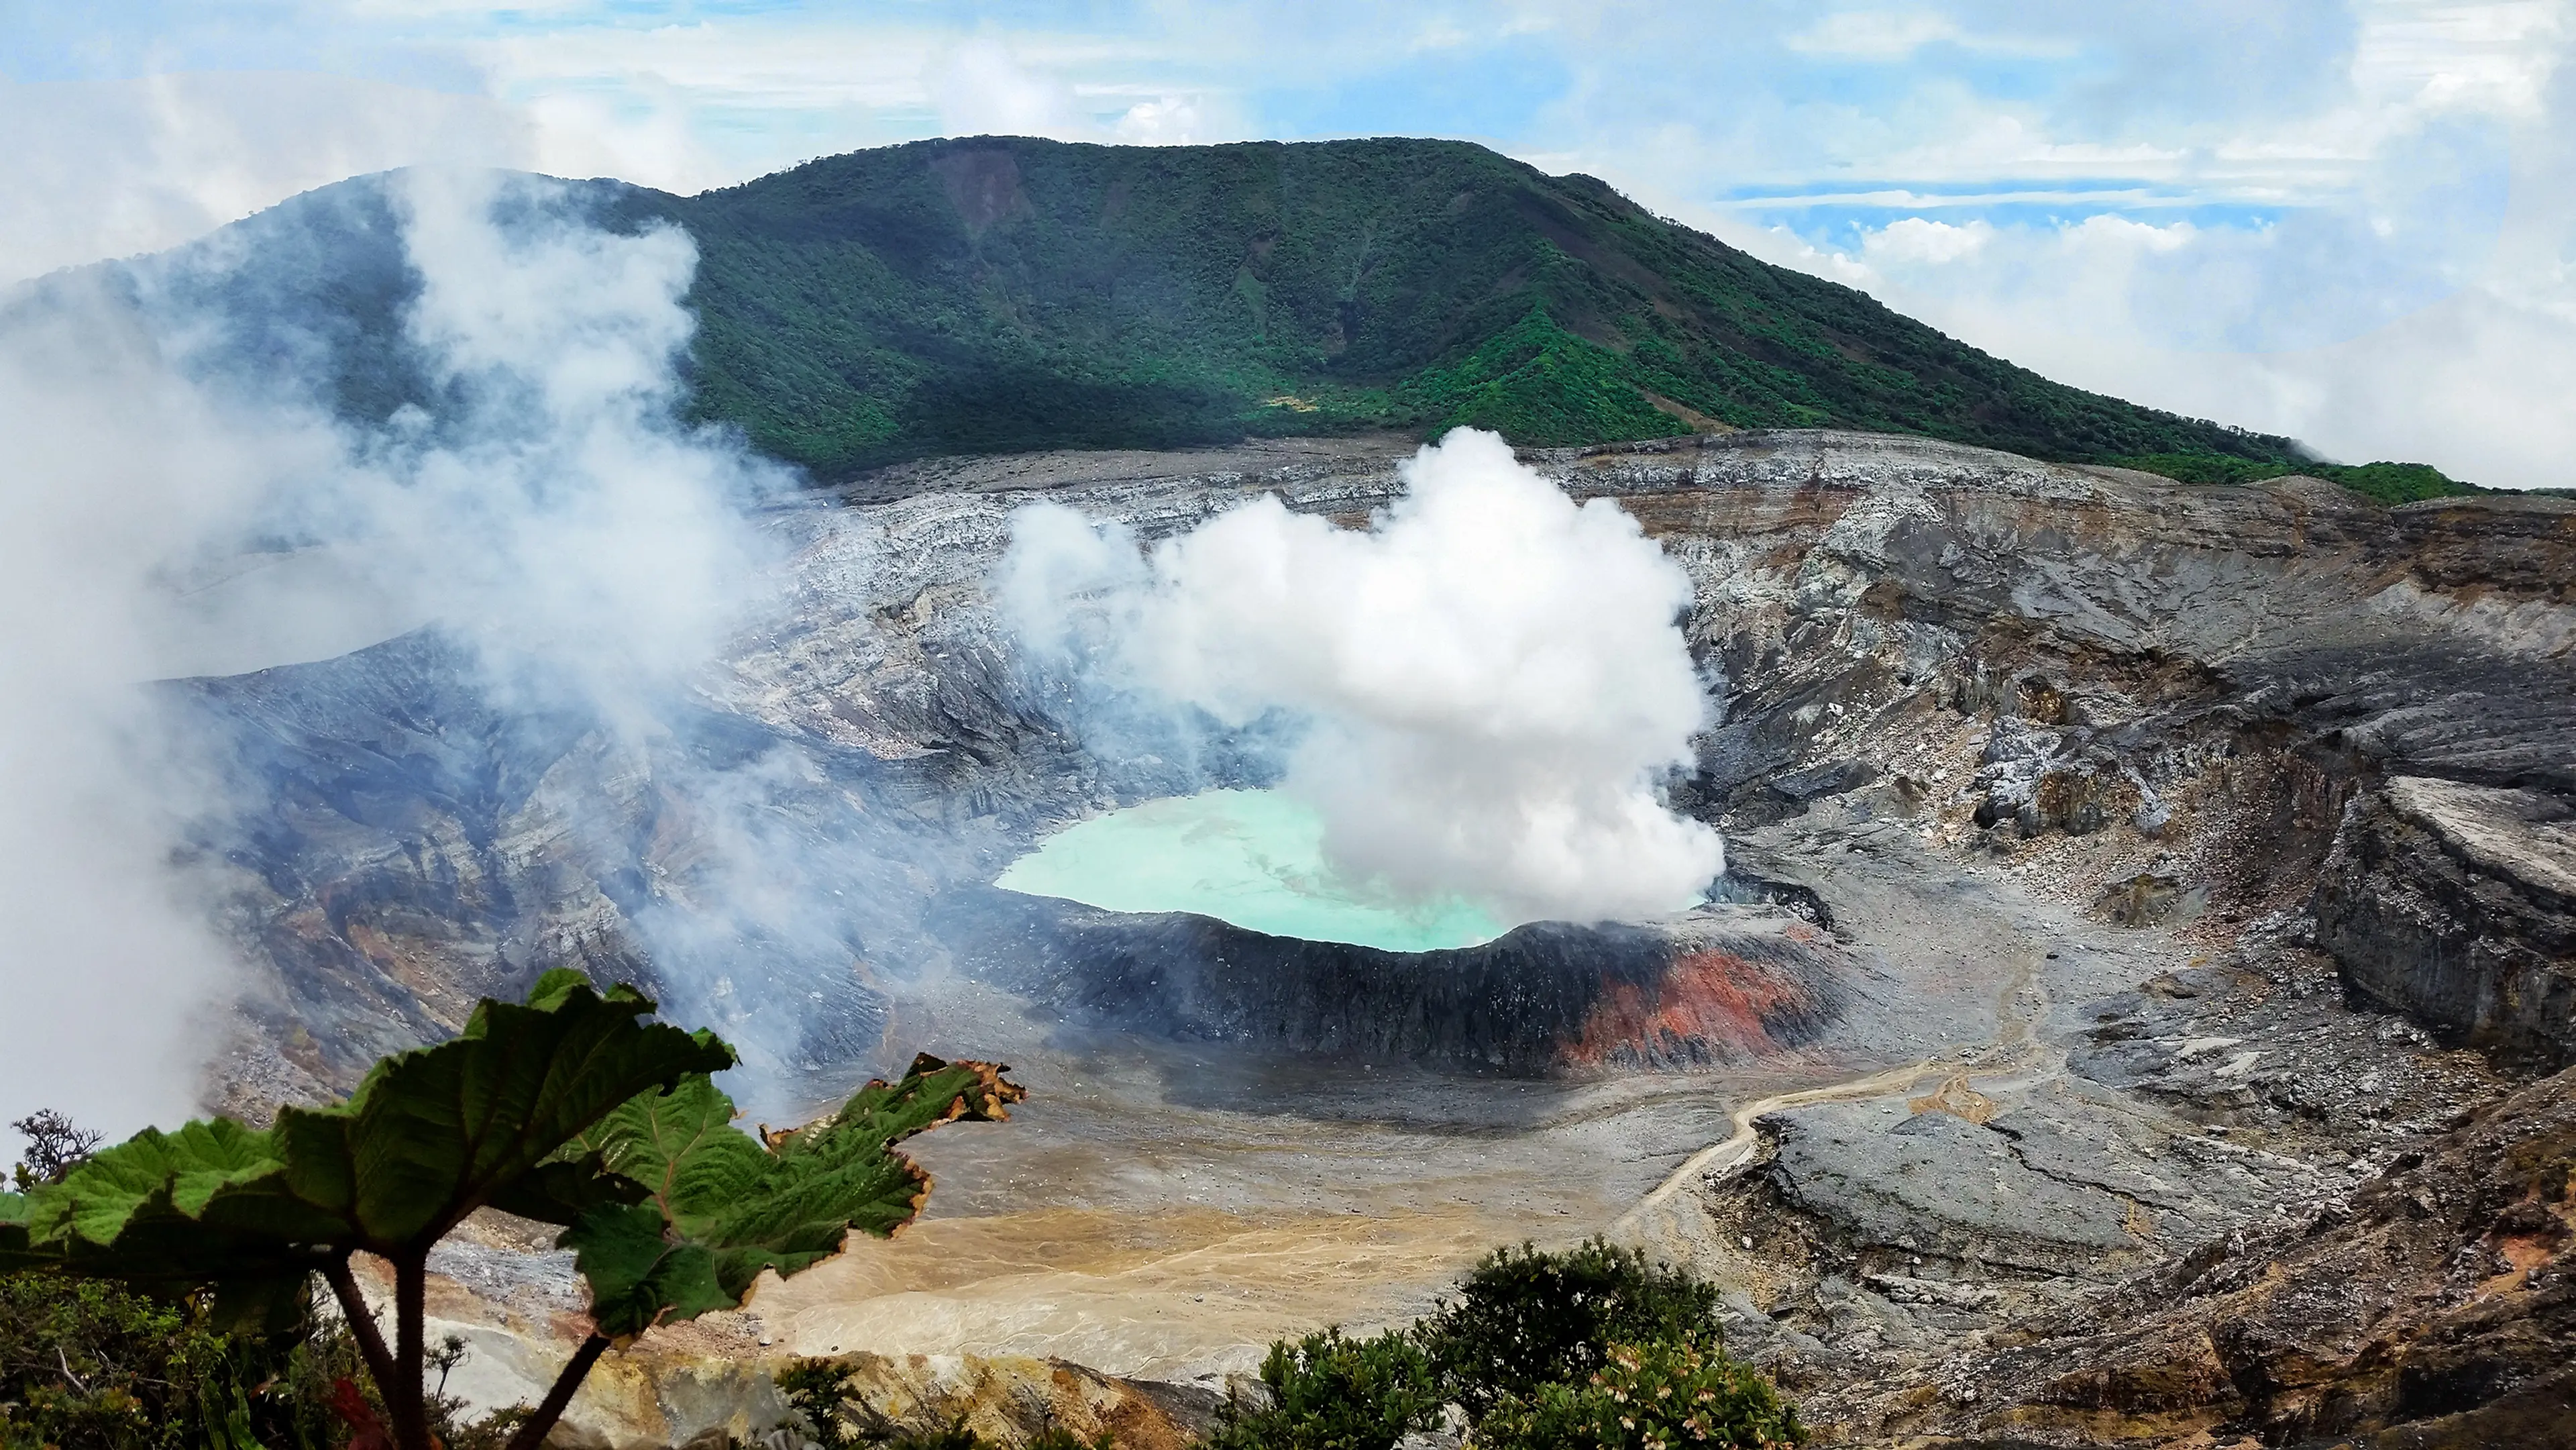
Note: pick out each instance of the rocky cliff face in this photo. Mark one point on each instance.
(2430, 1306)
(1545, 997)
(2457, 904)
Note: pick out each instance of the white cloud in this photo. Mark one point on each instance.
(1884, 35)
(556, 513)
(1165, 121)
(985, 90)
(1915, 239)
(2474, 382)
(2443, 55)
(111, 168)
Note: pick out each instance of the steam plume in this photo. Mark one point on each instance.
(1490, 679)
(161, 515)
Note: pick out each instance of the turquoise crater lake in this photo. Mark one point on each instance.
(1251, 857)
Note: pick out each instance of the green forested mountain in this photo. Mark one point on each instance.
(1002, 294)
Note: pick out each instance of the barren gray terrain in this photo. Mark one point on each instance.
(2120, 869)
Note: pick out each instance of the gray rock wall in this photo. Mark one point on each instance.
(786, 829)
(1721, 986)
(2457, 904)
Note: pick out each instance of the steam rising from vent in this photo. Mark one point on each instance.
(164, 511)
(1490, 680)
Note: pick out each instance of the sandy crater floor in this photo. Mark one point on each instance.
(1160, 1211)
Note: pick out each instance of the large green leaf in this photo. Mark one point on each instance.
(433, 1134)
(638, 1275)
(430, 1136)
(721, 1207)
(140, 1212)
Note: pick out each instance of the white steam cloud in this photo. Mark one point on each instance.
(1491, 680)
(156, 518)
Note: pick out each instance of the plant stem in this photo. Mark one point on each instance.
(362, 1325)
(403, 1396)
(532, 1433)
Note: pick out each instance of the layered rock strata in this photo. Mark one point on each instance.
(2457, 904)
(1722, 986)
(2430, 1306)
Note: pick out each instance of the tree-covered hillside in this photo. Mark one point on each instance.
(1001, 294)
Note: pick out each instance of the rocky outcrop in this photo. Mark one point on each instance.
(1888, 1252)
(2066, 1180)
(406, 843)
(1725, 985)
(2433, 1306)
(2457, 904)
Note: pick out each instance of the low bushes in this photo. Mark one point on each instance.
(1331, 1393)
(1594, 1348)
(86, 1364)
(1658, 1394)
(1525, 1319)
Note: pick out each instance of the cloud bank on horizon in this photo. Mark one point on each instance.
(2349, 220)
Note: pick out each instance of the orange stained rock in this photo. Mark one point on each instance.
(1713, 998)
(1956, 1098)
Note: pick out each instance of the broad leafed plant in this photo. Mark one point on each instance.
(572, 1108)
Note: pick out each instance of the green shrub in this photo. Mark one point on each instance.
(1648, 1397)
(86, 1364)
(2388, 483)
(1526, 1319)
(1331, 1393)
(90, 1364)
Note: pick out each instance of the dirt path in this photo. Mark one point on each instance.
(1669, 1225)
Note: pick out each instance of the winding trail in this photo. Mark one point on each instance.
(1665, 1222)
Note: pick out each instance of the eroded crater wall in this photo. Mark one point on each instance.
(2222, 666)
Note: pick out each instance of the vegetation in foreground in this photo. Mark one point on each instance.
(571, 1109)
(1590, 1347)
(1593, 1348)
(87, 1364)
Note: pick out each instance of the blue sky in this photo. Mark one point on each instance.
(2351, 221)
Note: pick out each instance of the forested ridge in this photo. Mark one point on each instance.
(998, 294)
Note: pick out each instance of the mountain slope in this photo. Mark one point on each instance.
(999, 295)
(1003, 294)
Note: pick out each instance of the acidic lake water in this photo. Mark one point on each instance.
(1251, 857)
